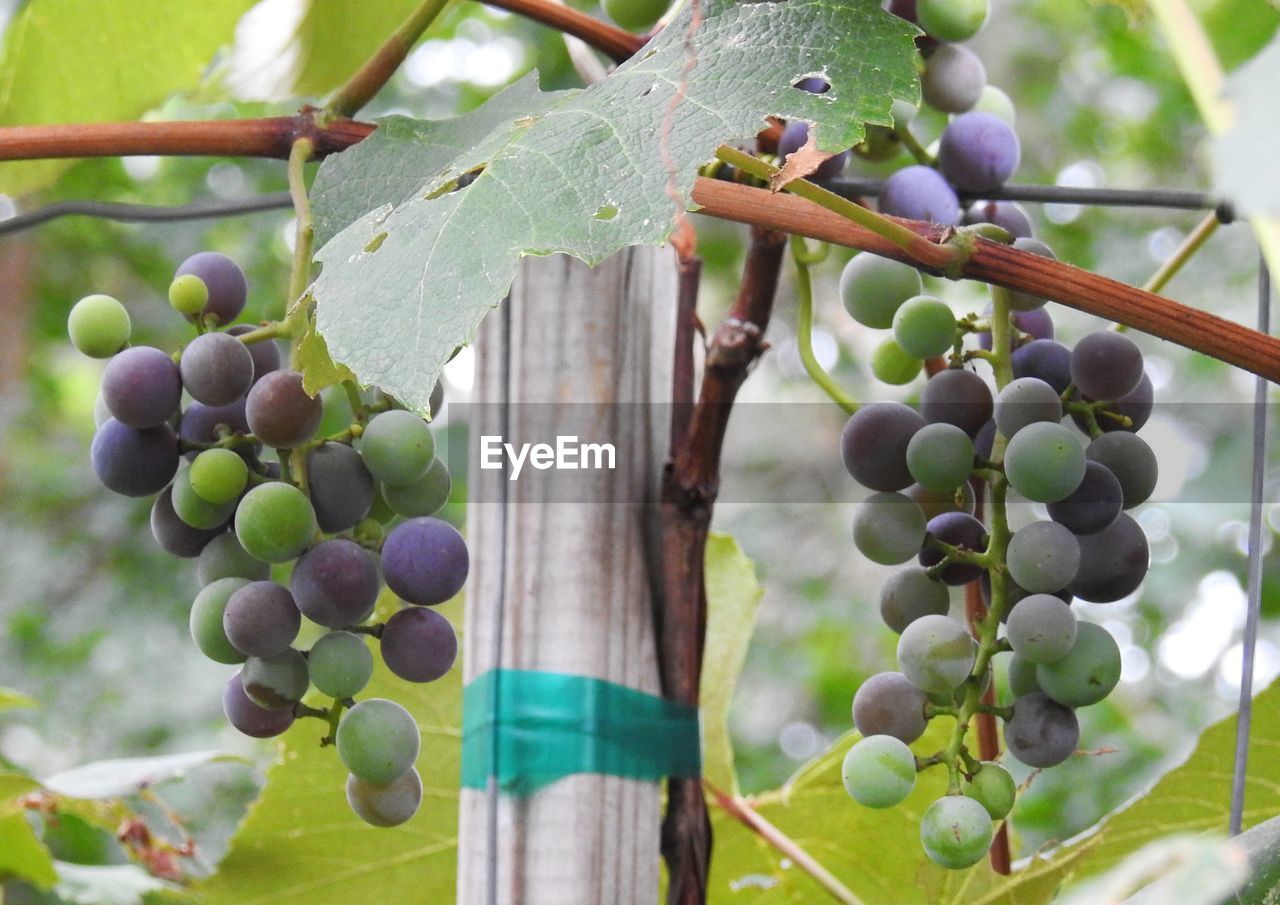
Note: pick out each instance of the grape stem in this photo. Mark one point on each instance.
(300, 301)
(375, 630)
(1193, 242)
(804, 324)
(913, 146)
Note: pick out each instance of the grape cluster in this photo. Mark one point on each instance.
(1059, 429)
(249, 471)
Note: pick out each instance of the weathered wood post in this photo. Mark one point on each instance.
(566, 586)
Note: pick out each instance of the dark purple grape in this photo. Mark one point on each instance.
(959, 397)
(335, 583)
(1113, 562)
(1106, 365)
(1130, 460)
(1008, 215)
(1135, 405)
(1035, 323)
(200, 422)
(888, 704)
(953, 79)
(874, 444)
(134, 462)
(217, 369)
(425, 561)
(961, 499)
(903, 9)
(265, 354)
(978, 152)
(141, 387)
(419, 645)
(250, 719)
(1095, 503)
(794, 135)
(920, 193)
(225, 281)
(1041, 732)
(341, 487)
(1045, 360)
(261, 619)
(813, 85)
(959, 529)
(280, 412)
(175, 536)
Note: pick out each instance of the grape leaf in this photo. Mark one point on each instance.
(302, 845)
(585, 172)
(21, 854)
(127, 776)
(65, 61)
(114, 884)
(335, 37)
(733, 596)
(14, 700)
(318, 369)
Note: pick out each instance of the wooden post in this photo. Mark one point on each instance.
(566, 586)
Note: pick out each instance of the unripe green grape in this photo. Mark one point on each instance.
(880, 143)
(952, 20)
(956, 832)
(378, 740)
(218, 475)
(193, 509)
(223, 557)
(891, 365)
(635, 15)
(1022, 677)
(940, 456)
(340, 664)
(188, 294)
(879, 771)
(276, 682)
(275, 522)
(924, 327)
(425, 496)
(99, 326)
(1088, 672)
(936, 653)
(889, 528)
(397, 447)
(389, 805)
(873, 288)
(1044, 462)
(206, 621)
(992, 786)
(997, 103)
(909, 594)
(1042, 629)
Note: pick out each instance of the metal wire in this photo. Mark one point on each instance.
(144, 213)
(1244, 720)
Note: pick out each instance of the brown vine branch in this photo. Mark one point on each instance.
(378, 69)
(606, 38)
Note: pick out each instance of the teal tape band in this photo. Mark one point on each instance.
(529, 729)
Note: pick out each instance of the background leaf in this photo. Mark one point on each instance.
(15, 700)
(127, 776)
(22, 857)
(590, 172)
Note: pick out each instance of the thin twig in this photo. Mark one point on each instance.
(608, 39)
(124, 212)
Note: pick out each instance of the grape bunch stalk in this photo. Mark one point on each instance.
(251, 472)
(1058, 429)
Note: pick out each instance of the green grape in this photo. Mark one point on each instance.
(889, 528)
(275, 522)
(1042, 629)
(336, 414)
(1043, 557)
(956, 832)
(340, 664)
(992, 786)
(909, 594)
(1087, 673)
(940, 456)
(936, 653)
(378, 740)
(397, 447)
(193, 509)
(879, 771)
(188, 294)
(891, 365)
(223, 557)
(952, 20)
(1044, 462)
(206, 620)
(997, 103)
(873, 288)
(218, 476)
(425, 496)
(1022, 677)
(389, 805)
(276, 682)
(924, 327)
(99, 326)
(635, 15)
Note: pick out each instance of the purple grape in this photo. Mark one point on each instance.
(261, 619)
(959, 397)
(265, 354)
(1045, 360)
(425, 561)
(985, 440)
(1008, 215)
(335, 583)
(813, 85)
(1041, 732)
(1035, 323)
(134, 462)
(225, 281)
(920, 193)
(279, 411)
(794, 135)
(874, 444)
(1106, 365)
(903, 9)
(1114, 562)
(1136, 405)
(250, 719)
(217, 369)
(175, 536)
(141, 387)
(978, 152)
(953, 79)
(959, 529)
(200, 422)
(341, 486)
(419, 645)
(1094, 504)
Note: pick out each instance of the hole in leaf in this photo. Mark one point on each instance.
(606, 212)
(375, 243)
(813, 84)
